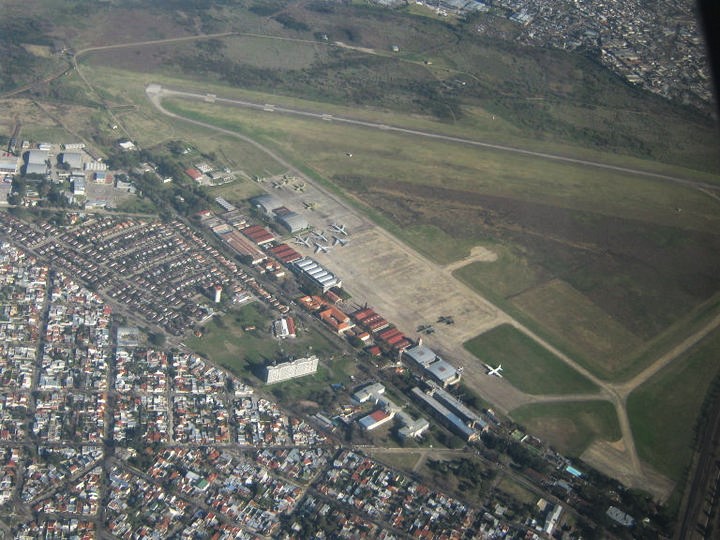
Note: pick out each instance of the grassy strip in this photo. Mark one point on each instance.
(663, 412)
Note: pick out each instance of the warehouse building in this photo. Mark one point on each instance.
(38, 157)
(259, 235)
(470, 417)
(36, 162)
(8, 164)
(426, 359)
(411, 428)
(266, 203)
(72, 160)
(248, 252)
(371, 391)
(291, 369)
(292, 221)
(36, 168)
(376, 419)
(285, 254)
(316, 275)
(448, 418)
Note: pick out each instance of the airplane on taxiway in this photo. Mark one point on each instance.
(300, 241)
(320, 236)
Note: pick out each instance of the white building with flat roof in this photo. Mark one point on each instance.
(291, 370)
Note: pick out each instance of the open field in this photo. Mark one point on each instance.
(571, 426)
(663, 411)
(388, 165)
(508, 275)
(225, 342)
(517, 491)
(594, 338)
(528, 366)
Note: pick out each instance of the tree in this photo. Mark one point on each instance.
(157, 339)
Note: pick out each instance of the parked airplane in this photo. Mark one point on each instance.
(321, 247)
(342, 241)
(320, 236)
(494, 371)
(339, 229)
(310, 205)
(300, 241)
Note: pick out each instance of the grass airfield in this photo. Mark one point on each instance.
(611, 270)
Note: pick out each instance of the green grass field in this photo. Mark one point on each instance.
(527, 365)
(509, 275)
(225, 342)
(570, 426)
(663, 411)
(597, 341)
(386, 157)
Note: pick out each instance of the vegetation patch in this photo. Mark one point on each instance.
(597, 341)
(664, 410)
(510, 274)
(241, 341)
(526, 364)
(570, 426)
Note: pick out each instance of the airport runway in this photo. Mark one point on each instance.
(270, 108)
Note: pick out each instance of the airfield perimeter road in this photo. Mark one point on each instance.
(473, 313)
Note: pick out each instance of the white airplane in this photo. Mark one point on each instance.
(342, 241)
(320, 247)
(339, 229)
(320, 236)
(494, 371)
(300, 241)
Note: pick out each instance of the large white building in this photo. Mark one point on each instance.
(291, 370)
(434, 365)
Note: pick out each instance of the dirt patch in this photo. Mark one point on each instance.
(354, 48)
(610, 458)
(477, 254)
